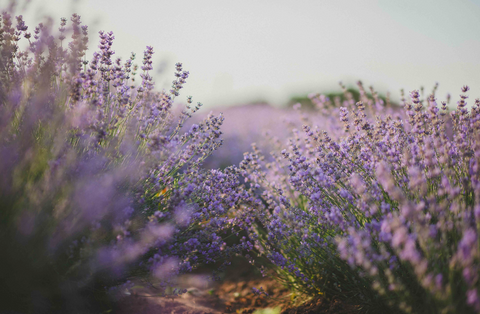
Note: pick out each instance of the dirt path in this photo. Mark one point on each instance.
(233, 294)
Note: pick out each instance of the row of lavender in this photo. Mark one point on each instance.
(98, 182)
(383, 209)
(369, 202)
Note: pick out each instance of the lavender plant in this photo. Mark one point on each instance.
(296, 229)
(381, 211)
(98, 183)
(421, 248)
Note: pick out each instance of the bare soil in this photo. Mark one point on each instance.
(232, 294)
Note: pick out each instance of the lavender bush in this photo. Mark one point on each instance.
(297, 228)
(421, 251)
(382, 211)
(98, 183)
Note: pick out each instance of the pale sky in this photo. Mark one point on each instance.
(250, 50)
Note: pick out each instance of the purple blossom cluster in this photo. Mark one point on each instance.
(100, 182)
(382, 209)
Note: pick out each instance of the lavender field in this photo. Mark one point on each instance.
(115, 194)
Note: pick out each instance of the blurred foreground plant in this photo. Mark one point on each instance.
(97, 183)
